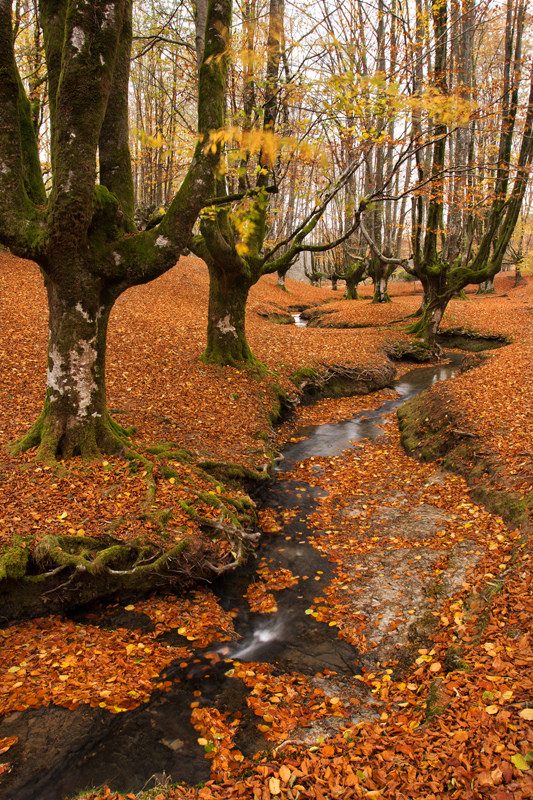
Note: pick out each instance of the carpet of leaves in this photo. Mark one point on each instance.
(75, 663)
(157, 383)
(440, 730)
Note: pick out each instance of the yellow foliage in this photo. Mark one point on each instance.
(148, 140)
(255, 142)
(448, 109)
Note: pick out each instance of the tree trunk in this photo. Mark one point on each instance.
(226, 335)
(426, 327)
(351, 288)
(75, 420)
(487, 287)
(281, 281)
(518, 279)
(334, 280)
(381, 294)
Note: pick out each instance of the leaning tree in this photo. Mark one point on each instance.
(82, 234)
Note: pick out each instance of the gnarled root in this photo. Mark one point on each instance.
(241, 543)
(57, 439)
(415, 350)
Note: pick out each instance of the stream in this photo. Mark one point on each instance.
(62, 752)
(299, 321)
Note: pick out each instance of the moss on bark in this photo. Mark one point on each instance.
(226, 334)
(14, 561)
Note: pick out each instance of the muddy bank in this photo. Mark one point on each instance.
(470, 340)
(432, 431)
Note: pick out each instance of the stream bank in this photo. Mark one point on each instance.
(361, 559)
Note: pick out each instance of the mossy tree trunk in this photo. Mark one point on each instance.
(487, 287)
(82, 235)
(75, 420)
(437, 295)
(281, 279)
(442, 278)
(226, 329)
(381, 282)
(354, 273)
(229, 249)
(233, 230)
(351, 288)
(427, 325)
(425, 294)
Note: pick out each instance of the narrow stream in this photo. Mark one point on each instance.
(332, 439)
(62, 752)
(299, 321)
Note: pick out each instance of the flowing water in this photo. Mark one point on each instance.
(62, 752)
(299, 321)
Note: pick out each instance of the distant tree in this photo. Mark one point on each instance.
(82, 235)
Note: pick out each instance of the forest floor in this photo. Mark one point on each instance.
(428, 585)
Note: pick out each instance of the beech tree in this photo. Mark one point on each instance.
(445, 267)
(82, 235)
(233, 231)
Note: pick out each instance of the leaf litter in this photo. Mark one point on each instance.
(450, 721)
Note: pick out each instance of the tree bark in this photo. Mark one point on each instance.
(83, 239)
(354, 273)
(226, 333)
(75, 420)
(426, 327)
(351, 287)
(380, 281)
(487, 287)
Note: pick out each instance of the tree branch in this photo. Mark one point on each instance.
(113, 145)
(145, 256)
(379, 255)
(91, 38)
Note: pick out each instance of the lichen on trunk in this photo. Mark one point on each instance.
(487, 287)
(82, 234)
(75, 419)
(381, 294)
(427, 325)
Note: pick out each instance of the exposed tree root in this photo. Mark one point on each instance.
(68, 571)
(56, 441)
(65, 571)
(223, 470)
(416, 350)
(241, 544)
(342, 380)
